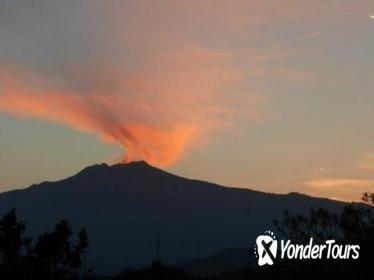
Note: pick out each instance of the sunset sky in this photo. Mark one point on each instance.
(273, 95)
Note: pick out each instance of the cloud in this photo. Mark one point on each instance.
(339, 183)
(156, 113)
(344, 189)
(133, 80)
(144, 74)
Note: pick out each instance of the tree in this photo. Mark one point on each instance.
(321, 224)
(53, 256)
(354, 225)
(11, 242)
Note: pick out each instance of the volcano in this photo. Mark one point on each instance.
(135, 213)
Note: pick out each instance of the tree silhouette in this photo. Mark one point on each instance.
(53, 256)
(354, 225)
(11, 242)
(321, 224)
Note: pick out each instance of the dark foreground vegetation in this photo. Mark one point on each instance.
(55, 255)
(51, 256)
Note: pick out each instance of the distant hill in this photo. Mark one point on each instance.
(223, 261)
(126, 208)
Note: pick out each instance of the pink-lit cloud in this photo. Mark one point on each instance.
(336, 183)
(156, 77)
(155, 113)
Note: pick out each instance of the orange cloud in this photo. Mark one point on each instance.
(345, 189)
(144, 74)
(155, 114)
(339, 183)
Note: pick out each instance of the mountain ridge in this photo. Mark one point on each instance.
(126, 208)
(143, 164)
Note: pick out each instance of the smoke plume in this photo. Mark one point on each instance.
(133, 81)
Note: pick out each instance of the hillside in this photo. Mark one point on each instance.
(126, 208)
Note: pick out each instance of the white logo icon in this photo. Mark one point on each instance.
(266, 248)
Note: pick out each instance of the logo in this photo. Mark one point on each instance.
(266, 248)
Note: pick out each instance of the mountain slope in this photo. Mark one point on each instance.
(126, 208)
(226, 260)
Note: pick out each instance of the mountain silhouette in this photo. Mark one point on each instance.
(135, 213)
(231, 259)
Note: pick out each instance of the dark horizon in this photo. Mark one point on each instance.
(143, 162)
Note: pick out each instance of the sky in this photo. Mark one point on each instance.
(272, 95)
